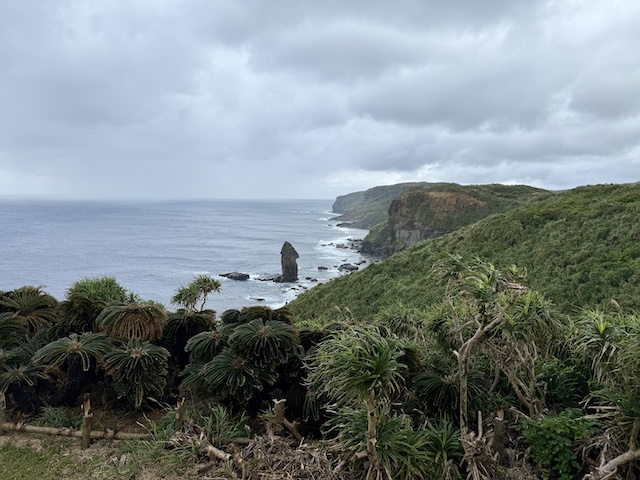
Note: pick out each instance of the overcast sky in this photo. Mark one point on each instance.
(313, 99)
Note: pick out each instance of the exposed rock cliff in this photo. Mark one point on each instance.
(369, 208)
(438, 209)
(418, 215)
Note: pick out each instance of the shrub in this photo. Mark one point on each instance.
(138, 369)
(552, 442)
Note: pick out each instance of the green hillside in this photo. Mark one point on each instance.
(580, 247)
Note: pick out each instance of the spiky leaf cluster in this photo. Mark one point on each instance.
(33, 308)
(139, 369)
(187, 323)
(239, 359)
(354, 363)
(133, 321)
(403, 452)
(204, 346)
(265, 343)
(439, 393)
(233, 375)
(25, 374)
(87, 346)
(248, 314)
(11, 330)
(197, 291)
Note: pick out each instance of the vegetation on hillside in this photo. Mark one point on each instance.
(435, 364)
(580, 248)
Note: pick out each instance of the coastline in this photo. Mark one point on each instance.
(152, 248)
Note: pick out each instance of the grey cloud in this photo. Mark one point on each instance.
(196, 98)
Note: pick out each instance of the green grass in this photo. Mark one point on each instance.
(30, 461)
(28, 457)
(580, 248)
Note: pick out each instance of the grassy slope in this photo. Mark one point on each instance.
(581, 247)
(30, 456)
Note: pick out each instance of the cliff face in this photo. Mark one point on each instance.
(418, 215)
(369, 208)
(422, 213)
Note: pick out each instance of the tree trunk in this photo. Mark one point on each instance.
(372, 423)
(3, 414)
(463, 369)
(499, 434)
(610, 467)
(76, 380)
(630, 456)
(281, 420)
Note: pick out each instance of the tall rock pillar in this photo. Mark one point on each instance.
(289, 256)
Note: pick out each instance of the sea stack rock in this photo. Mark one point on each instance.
(289, 264)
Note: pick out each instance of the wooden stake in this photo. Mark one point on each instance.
(3, 407)
(278, 408)
(87, 420)
(180, 408)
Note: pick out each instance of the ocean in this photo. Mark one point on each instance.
(153, 247)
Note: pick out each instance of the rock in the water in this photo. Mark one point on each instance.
(289, 262)
(347, 267)
(322, 268)
(266, 277)
(235, 276)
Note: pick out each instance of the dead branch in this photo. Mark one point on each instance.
(68, 432)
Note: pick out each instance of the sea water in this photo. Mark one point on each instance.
(152, 248)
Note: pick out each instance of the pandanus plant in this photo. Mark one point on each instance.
(196, 293)
(359, 367)
(190, 319)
